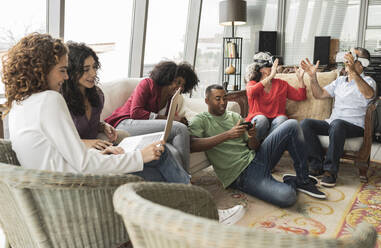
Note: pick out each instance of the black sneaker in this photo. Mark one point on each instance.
(311, 189)
(316, 172)
(313, 179)
(290, 180)
(328, 180)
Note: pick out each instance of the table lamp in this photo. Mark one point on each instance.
(232, 12)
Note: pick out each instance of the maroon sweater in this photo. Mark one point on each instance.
(143, 100)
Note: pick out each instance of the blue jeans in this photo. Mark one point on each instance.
(179, 136)
(257, 180)
(338, 130)
(166, 169)
(265, 126)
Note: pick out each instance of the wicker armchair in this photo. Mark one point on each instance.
(47, 209)
(360, 154)
(170, 215)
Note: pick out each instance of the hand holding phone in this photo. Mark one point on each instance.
(248, 124)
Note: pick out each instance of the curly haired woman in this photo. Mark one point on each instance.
(41, 129)
(148, 105)
(85, 100)
(267, 95)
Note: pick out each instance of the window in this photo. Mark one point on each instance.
(208, 57)
(106, 28)
(307, 19)
(166, 27)
(374, 13)
(261, 16)
(16, 22)
(373, 31)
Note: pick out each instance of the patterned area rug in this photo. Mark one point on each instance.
(347, 204)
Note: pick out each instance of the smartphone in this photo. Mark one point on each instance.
(248, 124)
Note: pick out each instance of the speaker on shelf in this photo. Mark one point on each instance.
(321, 49)
(267, 42)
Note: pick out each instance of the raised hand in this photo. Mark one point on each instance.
(237, 131)
(153, 151)
(299, 73)
(274, 68)
(308, 67)
(349, 62)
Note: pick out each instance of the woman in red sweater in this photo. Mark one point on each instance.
(267, 95)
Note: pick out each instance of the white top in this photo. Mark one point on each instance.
(44, 137)
(350, 104)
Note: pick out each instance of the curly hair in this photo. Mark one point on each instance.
(75, 100)
(253, 73)
(27, 65)
(166, 71)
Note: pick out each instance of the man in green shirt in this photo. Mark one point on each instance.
(241, 162)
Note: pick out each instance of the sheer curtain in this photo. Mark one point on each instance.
(262, 15)
(307, 19)
(373, 30)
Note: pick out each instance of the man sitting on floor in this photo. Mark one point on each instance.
(352, 93)
(232, 152)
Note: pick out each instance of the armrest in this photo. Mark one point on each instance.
(61, 208)
(364, 151)
(19, 177)
(187, 198)
(241, 98)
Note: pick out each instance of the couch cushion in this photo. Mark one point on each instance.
(198, 105)
(311, 107)
(351, 144)
(116, 94)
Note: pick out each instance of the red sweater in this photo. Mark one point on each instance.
(143, 100)
(273, 103)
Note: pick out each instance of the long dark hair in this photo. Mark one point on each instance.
(78, 53)
(166, 71)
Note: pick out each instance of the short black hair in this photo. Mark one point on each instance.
(213, 87)
(166, 71)
(363, 53)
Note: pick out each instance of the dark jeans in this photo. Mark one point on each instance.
(338, 130)
(166, 169)
(257, 180)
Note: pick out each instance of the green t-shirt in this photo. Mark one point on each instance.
(229, 158)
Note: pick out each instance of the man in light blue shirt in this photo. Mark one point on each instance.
(351, 93)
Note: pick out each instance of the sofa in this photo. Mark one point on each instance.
(356, 149)
(117, 92)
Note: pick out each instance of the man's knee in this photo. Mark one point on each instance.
(337, 126)
(306, 123)
(261, 121)
(287, 198)
(337, 123)
(292, 124)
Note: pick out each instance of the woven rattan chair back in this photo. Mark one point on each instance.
(151, 223)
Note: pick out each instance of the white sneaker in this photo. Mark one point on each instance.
(231, 215)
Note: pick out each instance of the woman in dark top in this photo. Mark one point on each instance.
(84, 99)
